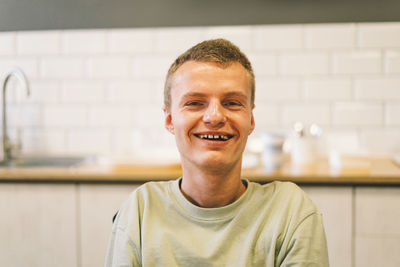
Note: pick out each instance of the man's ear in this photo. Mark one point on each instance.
(168, 120)
(253, 123)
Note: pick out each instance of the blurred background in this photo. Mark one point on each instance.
(96, 71)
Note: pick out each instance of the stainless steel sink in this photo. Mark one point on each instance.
(47, 161)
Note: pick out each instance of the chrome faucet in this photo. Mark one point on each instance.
(7, 145)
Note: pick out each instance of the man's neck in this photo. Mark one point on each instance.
(211, 189)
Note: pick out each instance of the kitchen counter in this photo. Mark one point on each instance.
(354, 171)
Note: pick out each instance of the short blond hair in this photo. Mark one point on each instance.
(219, 51)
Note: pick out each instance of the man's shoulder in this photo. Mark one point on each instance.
(279, 187)
(286, 195)
(152, 188)
(146, 194)
(287, 187)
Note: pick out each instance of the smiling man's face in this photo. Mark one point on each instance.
(210, 114)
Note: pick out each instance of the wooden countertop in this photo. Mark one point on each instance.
(360, 170)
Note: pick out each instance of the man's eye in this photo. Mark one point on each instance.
(233, 103)
(193, 103)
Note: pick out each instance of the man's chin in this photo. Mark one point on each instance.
(217, 163)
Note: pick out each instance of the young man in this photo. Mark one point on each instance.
(211, 216)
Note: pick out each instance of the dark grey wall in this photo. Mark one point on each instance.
(75, 14)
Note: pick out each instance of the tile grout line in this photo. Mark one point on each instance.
(78, 226)
(353, 226)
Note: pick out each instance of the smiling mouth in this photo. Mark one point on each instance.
(214, 137)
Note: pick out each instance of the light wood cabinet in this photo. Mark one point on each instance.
(70, 224)
(98, 204)
(335, 204)
(38, 225)
(377, 231)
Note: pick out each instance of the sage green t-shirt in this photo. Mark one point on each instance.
(269, 225)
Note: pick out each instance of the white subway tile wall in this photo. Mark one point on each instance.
(330, 36)
(264, 64)
(327, 89)
(357, 62)
(358, 114)
(82, 91)
(384, 89)
(7, 44)
(176, 40)
(43, 93)
(280, 89)
(304, 63)
(67, 116)
(95, 140)
(392, 115)
(93, 91)
(380, 140)
(50, 141)
(316, 113)
(38, 43)
(278, 38)
(84, 42)
(266, 116)
(62, 67)
(30, 65)
(379, 35)
(108, 66)
(122, 41)
(392, 61)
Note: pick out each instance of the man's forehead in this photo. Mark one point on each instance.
(204, 64)
(200, 70)
(224, 93)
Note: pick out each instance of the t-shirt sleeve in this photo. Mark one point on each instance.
(307, 246)
(121, 252)
(124, 245)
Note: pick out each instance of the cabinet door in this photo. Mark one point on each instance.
(377, 241)
(98, 204)
(38, 225)
(335, 204)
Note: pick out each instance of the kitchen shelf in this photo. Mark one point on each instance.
(354, 171)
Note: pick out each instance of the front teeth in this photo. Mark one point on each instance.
(212, 137)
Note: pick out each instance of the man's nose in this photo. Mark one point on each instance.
(214, 114)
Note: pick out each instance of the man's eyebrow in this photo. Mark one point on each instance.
(191, 94)
(240, 94)
(228, 94)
